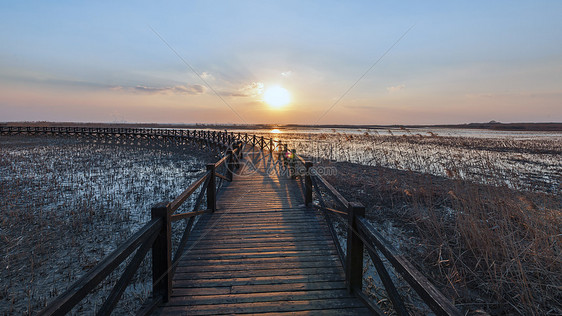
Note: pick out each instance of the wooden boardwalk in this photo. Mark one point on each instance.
(261, 252)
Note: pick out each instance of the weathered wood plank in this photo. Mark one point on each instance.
(261, 307)
(221, 274)
(269, 243)
(251, 249)
(262, 239)
(279, 279)
(261, 251)
(280, 264)
(234, 263)
(257, 234)
(259, 297)
(189, 256)
(324, 312)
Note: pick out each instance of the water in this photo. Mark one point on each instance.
(65, 204)
(522, 160)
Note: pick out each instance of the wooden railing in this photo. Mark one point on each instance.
(362, 236)
(212, 137)
(155, 235)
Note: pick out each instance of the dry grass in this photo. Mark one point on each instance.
(481, 216)
(487, 247)
(66, 204)
(531, 163)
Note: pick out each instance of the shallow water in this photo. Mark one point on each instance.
(520, 160)
(66, 204)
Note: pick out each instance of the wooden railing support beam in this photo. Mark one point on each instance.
(229, 164)
(308, 183)
(162, 254)
(212, 188)
(354, 256)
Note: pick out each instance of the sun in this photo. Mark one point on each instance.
(277, 96)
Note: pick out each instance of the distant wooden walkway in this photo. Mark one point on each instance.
(262, 251)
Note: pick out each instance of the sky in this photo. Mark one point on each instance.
(342, 62)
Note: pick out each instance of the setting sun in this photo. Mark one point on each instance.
(277, 96)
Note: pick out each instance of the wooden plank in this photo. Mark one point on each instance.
(281, 264)
(233, 221)
(301, 261)
(261, 307)
(260, 233)
(222, 274)
(272, 280)
(233, 218)
(240, 250)
(262, 239)
(259, 297)
(261, 251)
(325, 312)
(217, 231)
(270, 243)
(190, 256)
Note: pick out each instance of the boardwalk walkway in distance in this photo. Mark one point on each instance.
(262, 251)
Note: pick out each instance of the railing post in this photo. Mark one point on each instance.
(211, 189)
(229, 164)
(240, 155)
(354, 256)
(285, 152)
(308, 183)
(162, 254)
(292, 164)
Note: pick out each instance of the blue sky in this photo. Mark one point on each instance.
(461, 62)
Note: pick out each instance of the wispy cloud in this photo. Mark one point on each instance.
(253, 89)
(45, 79)
(193, 89)
(207, 76)
(395, 89)
(287, 73)
(188, 89)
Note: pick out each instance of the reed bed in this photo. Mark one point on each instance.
(65, 204)
(525, 163)
(480, 216)
(489, 247)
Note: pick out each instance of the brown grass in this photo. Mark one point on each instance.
(487, 247)
(66, 204)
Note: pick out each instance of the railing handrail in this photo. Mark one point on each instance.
(156, 233)
(178, 201)
(427, 291)
(77, 291)
(362, 234)
(360, 231)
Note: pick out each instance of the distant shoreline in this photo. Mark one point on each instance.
(551, 127)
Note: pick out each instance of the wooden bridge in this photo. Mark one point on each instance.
(261, 251)
(265, 242)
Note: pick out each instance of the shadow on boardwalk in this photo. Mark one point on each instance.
(262, 251)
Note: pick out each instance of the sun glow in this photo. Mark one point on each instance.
(277, 96)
